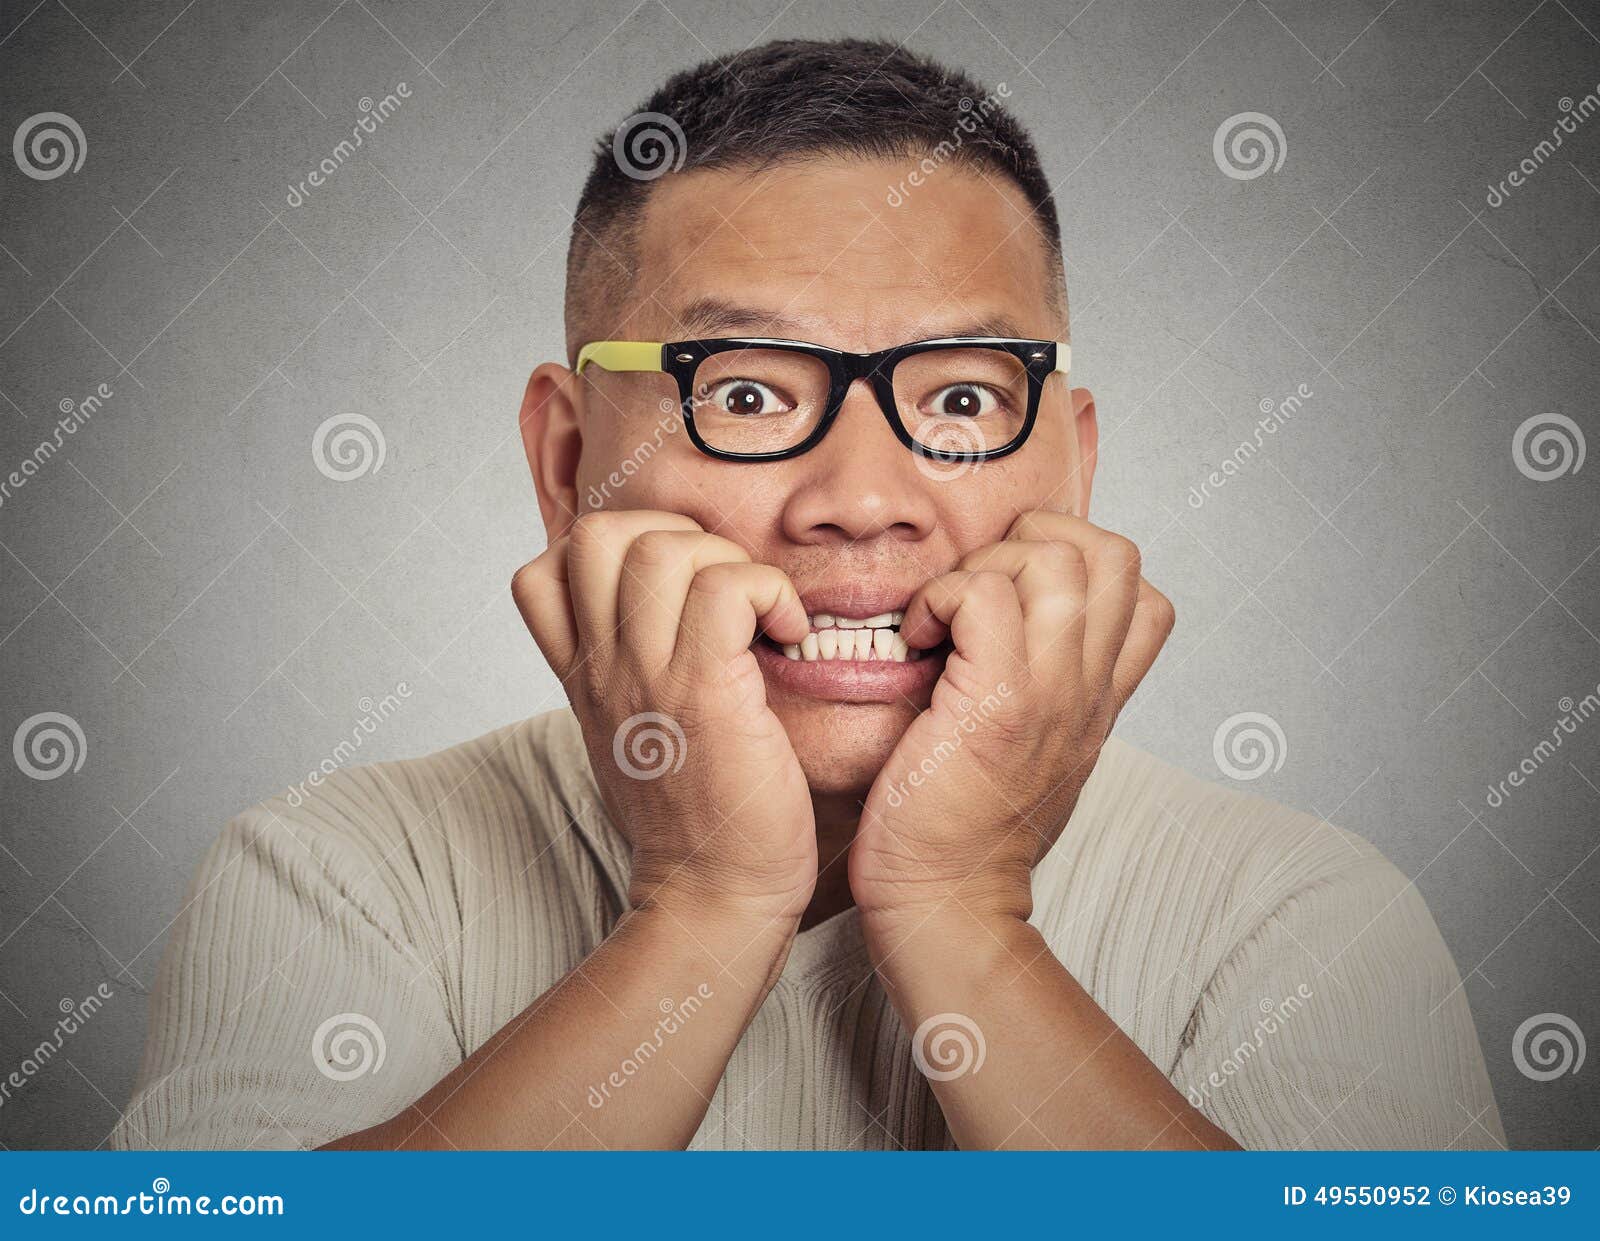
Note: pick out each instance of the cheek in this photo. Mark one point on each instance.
(981, 506)
(662, 470)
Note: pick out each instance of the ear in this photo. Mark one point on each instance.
(553, 440)
(1088, 431)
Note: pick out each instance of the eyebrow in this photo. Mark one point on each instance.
(712, 315)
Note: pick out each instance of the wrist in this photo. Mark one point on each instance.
(954, 907)
(727, 928)
(911, 941)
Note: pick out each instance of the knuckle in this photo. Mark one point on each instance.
(525, 580)
(715, 579)
(731, 552)
(1068, 560)
(535, 581)
(1123, 554)
(672, 689)
(655, 549)
(589, 530)
(990, 584)
(1030, 525)
(1054, 555)
(1165, 614)
(980, 558)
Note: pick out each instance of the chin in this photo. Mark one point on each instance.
(845, 713)
(843, 746)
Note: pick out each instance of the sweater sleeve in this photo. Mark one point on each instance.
(1340, 1022)
(289, 1007)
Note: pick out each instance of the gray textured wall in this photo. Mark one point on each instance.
(1407, 594)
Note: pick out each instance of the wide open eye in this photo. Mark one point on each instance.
(743, 398)
(963, 400)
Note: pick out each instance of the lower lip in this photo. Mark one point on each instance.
(851, 680)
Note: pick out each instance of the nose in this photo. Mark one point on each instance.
(860, 482)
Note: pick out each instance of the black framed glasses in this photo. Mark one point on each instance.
(954, 399)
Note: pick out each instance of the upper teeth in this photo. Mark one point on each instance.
(844, 637)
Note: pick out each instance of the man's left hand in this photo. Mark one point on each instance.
(1053, 628)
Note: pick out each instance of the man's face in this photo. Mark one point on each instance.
(812, 251)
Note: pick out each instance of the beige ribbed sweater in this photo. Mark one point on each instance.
(1279, 970)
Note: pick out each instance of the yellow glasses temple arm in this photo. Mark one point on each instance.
(1063, 357)
(621, 355)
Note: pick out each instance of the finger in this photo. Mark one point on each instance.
(657, 571)
(1153, 618)
(981, 613)
(542, 595)
(598, 544)
(1051, 581)
(1113, 564)
(726, 604)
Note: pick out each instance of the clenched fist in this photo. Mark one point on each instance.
(1053, 628)
(648, 620)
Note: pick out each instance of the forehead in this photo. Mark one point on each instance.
(844, 252)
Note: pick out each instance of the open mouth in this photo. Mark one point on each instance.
(853, 651)
(864, 639)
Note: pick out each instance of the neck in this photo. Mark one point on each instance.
(836, 816)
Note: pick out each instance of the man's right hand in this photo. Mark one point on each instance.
(647, 620)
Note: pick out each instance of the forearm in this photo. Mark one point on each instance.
(625, 1051)
(1057, 1072)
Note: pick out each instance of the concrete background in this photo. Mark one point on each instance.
(215, 613)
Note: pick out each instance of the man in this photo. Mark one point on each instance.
(832, 849)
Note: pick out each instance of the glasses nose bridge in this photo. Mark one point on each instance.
(875, 369)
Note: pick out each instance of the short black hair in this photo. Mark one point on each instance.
(787, 99)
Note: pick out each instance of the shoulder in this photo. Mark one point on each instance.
(1203, 917)
(1139, 811)
(517, 790)
(1164, 878)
